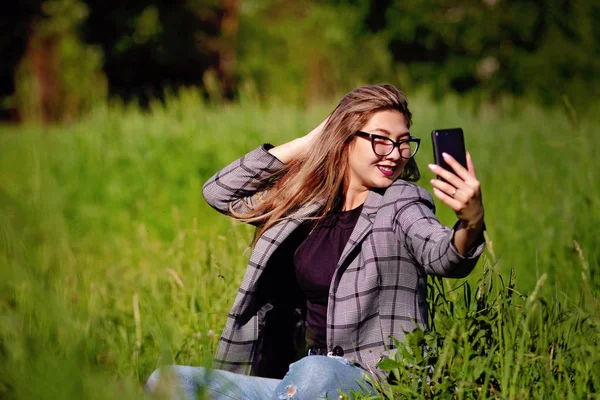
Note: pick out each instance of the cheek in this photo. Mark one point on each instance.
(362, 154)
(359, 161)
(401, 167)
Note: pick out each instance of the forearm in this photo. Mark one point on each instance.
(290, 150)
(437, 254)
(236, 183)
(467, 234)
(294, 149)
(432, 244)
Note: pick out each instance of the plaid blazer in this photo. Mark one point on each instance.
(379, 288)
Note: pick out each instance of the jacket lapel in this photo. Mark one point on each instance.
(262, 253)
(363, 225)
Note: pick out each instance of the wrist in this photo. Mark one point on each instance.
(300, 143)
(473, 223)
(289, 151)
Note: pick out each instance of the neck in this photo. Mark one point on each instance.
(354, 197)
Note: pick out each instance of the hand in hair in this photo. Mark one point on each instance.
(293, 149)
(312, 135)
(462, 193)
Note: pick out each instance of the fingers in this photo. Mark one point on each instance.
(445, 188)
(446, 199)
(470, 165)
(318, 129)
(460, 196)
(463, 177)
(457, 167)
(447, 175)
(461, 190)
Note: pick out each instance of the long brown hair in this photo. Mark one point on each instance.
(320, 175)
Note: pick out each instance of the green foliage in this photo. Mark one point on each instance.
(494, 342)
(154, 46)
(298, 52)
(112, 264)
(542, 50)
(537, 50)
(304, 51)
(60, 77)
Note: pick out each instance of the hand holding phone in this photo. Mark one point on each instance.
(457, 185)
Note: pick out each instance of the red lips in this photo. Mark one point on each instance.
(387, 171)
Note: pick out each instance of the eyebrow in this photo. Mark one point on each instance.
(389, 134)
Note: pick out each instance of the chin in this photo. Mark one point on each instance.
(383, 183)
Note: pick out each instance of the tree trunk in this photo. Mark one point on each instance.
(227, 51)
(41, 58)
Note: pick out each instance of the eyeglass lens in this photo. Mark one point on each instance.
(383, 147)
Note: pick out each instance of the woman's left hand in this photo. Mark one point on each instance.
(461, 191)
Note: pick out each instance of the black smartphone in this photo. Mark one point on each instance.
(451, 141)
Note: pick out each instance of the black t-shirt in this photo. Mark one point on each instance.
(315, 261)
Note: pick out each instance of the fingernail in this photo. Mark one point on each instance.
(445, 155)
(431, 181)
(432, 166)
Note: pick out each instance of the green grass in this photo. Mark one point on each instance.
(112, 264)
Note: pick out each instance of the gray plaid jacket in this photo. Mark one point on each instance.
(379, 288)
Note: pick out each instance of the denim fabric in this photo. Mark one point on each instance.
(310, 378)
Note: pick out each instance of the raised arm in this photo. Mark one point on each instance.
(461, 192)
(294, 149)
(431, 243)
(239, 184)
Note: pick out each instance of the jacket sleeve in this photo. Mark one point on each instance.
(239, 183)
(430, 242)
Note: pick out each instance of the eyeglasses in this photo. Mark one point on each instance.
(383, 146)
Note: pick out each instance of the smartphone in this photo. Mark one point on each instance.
(451, 141)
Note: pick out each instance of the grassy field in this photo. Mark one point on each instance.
(112, 264)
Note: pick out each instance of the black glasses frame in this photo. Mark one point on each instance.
(397, 144)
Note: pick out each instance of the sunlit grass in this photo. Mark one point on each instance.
(112, 264)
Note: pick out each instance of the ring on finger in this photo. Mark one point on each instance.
(453, 193)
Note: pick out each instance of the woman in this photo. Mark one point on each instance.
(343, 247)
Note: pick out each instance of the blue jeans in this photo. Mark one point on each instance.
(310, 378)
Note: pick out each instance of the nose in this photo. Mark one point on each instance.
(395, 154)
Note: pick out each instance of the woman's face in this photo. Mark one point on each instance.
(367, 169)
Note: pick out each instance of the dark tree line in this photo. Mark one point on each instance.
(181, 40)
(145, 47)
(61, 56)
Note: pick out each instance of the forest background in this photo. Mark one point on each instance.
(114, 113)
(62, 56)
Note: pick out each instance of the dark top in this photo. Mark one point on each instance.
(315, 260)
